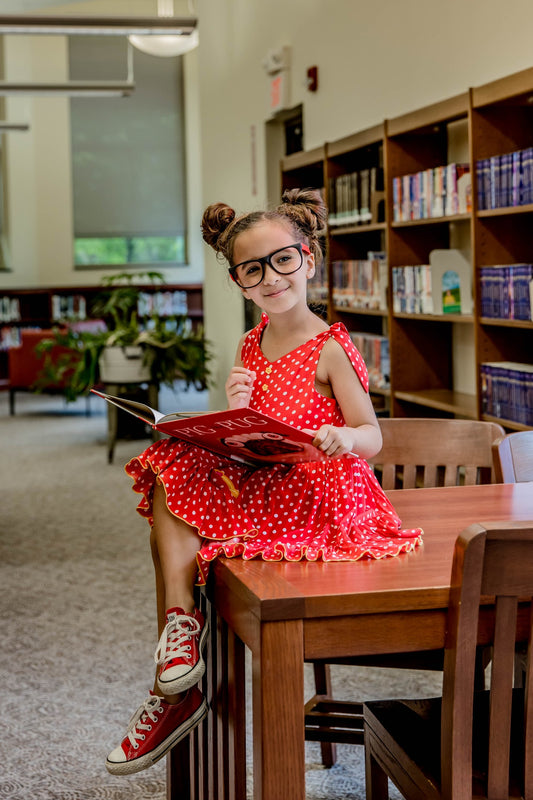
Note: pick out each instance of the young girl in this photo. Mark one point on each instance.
(294, 367)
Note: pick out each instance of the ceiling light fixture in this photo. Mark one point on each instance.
(7, 127)
(70, 89)
(166, 45)
(97, 26)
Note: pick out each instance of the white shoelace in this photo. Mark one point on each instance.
(139, 721)
(174, 641)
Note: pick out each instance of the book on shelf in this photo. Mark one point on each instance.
(360, 284)
(436, 192)
(412, 290)
(507, 291)
(376, 353)
(505, 180)
(507, 390)
(451, 280)
(354, 198)
(243, 434)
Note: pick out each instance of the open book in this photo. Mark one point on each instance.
(241, 433)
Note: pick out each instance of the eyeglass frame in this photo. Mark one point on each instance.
(300, 246)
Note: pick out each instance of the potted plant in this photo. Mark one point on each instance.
(132, 348)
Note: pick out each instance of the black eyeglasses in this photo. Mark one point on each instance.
(284, 261)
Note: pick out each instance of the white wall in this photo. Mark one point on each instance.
(377, 59)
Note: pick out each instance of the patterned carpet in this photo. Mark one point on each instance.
(77, 614)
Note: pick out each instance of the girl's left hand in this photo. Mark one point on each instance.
(334, 441)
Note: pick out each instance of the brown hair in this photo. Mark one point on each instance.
(302, 209)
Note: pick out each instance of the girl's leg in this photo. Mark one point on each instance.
(174, 548)
(162, 721)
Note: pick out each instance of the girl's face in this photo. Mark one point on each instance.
(276, 293)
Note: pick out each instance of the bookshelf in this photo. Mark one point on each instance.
(358, 276)
(45, 307)
(439, 362)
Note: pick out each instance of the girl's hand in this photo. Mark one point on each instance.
(334, 441)
(239, 387)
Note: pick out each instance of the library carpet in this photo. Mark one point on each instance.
(77, 615)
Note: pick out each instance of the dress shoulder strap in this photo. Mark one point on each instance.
(339, 332)
(253, 338)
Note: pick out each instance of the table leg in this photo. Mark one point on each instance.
(211, 763)
(278, 715)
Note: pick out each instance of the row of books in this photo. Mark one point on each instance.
(353, 198)
(162, 304)
(9, 309)
(505, 180)
(317, 288)
(412, 291)
(444, 286)
(9, 337)
(71, 307)
(361, 283)
(507, 291)
(437, 192)
(376, 353)
(507, 390)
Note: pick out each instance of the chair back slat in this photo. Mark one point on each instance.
(503, 656)
(409, 476)
(490, 560)
(446, 451)
(430, 476)
(451, 474)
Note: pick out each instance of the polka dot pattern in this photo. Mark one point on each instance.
(331, 510)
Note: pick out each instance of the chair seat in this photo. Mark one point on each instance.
(411, 732)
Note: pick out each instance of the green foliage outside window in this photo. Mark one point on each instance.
(129, 250)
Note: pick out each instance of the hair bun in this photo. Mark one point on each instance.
(306, 205)
(216, 219)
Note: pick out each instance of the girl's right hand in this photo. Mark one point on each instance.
(239, 387)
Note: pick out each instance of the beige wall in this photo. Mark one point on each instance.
(376, 60)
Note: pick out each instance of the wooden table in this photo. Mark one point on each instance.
(289, 612)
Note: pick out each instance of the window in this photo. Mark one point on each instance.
(128, 157)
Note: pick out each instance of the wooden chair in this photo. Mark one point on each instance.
(467, 744)
(416, 452)
(513, 457)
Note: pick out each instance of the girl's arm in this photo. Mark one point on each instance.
(240, 382)
(362, 434)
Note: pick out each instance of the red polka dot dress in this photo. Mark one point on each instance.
(331, 510)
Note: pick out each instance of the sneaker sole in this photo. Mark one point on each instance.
(191, 678)
(143, 762)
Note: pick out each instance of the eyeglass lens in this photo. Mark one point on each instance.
(284, 261)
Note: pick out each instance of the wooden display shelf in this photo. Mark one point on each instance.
(350, 230)
(506, 423)
(507, 323)
(464, 405)
(462, 318)
(369, 312)
(426, 118)
(505, 211)
(413, 223)
(384, 391)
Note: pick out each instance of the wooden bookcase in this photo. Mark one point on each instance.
(36, 306)
(435, 359)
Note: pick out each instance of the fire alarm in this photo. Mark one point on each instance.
(312, 79)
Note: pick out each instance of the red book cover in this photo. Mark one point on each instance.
(241, 433)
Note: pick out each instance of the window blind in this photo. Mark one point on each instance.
(128, 154)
